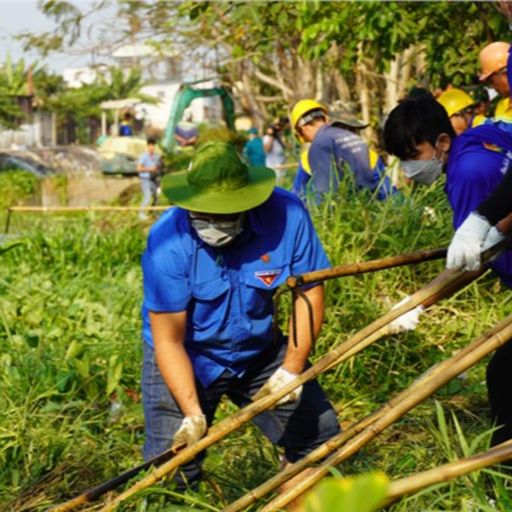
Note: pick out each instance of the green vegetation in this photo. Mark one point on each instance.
(71, 350)
(15, 186)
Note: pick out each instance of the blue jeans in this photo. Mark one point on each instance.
(298, 427)
(149, 189)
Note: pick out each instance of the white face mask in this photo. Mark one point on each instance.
(218, 233)
(423, 171)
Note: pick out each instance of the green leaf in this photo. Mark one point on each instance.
(115, 372)
(363, 493)
(75, 348)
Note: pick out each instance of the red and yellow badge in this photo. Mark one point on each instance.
(267, 277)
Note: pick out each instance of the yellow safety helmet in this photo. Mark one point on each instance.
(304, 160)
(455, 100)
(503, 110)
(302, 107)
(493, 58)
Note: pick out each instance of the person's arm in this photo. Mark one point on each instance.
(296, 356)
(499, 204)
(168, 330)
(475, 221)
(141, 167)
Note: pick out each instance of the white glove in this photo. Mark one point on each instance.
(408, 321)
(466, 245)
(192, 429)
(278, 380)
(493, 237)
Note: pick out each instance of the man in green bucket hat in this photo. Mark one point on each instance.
(211, 268)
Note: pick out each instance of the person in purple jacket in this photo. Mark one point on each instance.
(419, 132)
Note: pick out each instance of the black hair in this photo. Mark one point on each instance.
(415, 121)
(151, 141)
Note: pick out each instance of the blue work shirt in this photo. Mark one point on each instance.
(148, 160)
(227, 292)
(254, 152)
(333, 148)
(477, 163)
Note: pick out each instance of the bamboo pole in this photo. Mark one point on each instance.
(447, 472)
(481, 347)
(246, 414)
(334, 443)
(228, 425)
(72, 209)
(350, 269)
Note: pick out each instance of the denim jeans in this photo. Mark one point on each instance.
(149, 190)
(299, 427)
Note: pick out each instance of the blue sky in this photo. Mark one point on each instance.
(20, 15)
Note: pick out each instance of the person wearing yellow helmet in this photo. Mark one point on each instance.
(333, 148)
(459, 106)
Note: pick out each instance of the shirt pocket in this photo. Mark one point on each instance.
(210, 303)
(259, 287)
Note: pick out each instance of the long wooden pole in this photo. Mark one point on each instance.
(477, 352)
(447, 472)
(73, 209)
(350, 269)
(246, 414)
(243, 416)
(225, 427)
(334, 443)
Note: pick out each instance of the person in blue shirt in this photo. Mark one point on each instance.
(333, 150)
(211, 268)
(254, 152)
(125, 128)
(419, 132)
(149, 168)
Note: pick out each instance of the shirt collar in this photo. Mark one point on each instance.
(256, 223)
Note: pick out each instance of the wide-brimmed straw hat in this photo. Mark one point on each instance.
(218, 181)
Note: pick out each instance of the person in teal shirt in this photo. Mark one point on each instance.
(254, 152)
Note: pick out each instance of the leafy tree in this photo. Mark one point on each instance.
(272, 53)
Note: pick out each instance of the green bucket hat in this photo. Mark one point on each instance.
(218, 181)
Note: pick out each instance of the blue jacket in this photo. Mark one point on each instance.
(478, 161)
(227, 292)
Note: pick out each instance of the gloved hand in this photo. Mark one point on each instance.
(493, 237)
(466, 245)
(192, 429)
(278, 380)
(408, 321)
